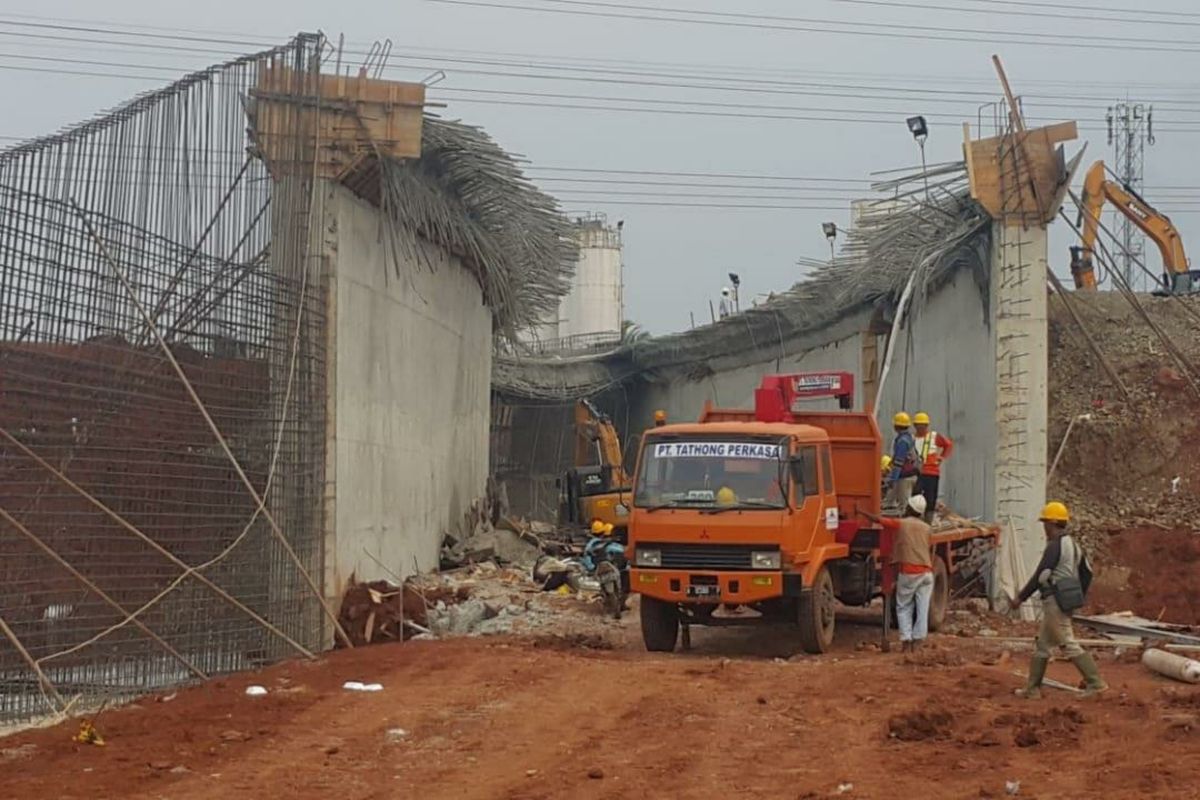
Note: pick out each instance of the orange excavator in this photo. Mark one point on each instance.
(597, 487)
(1097, 190)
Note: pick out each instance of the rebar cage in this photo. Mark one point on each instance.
(162, 367)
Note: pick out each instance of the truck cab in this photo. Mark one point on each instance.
(752, 515)
(754, 510)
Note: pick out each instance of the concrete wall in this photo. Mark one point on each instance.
(942, 364)
(410, 370)
(947, 370)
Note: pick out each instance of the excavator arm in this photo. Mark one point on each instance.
(595, 428)
(1098, 190)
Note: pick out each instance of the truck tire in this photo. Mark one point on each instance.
(660, 625)
(816, 612)
(939, 603)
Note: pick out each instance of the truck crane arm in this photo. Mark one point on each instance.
(1097, 190)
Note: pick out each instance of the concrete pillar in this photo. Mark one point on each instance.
(1018, 305)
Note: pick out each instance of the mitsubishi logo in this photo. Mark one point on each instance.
(704, 533)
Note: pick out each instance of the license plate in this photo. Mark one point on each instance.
(704, 591)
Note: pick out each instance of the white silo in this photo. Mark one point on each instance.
(592, 311)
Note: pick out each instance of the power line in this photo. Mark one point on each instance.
(1088, 17)
(682, 174)
(1089, 7)
(749, 85)
(739, 85)
(725, 114)
(880, 30)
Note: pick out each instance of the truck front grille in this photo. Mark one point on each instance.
(707, 556)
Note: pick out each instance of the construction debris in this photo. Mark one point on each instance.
(1172, 665)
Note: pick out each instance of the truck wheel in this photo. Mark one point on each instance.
(660, 625)
(816, 608)
(940, 601)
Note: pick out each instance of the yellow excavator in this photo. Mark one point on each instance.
(593, 491)
(1097, 190)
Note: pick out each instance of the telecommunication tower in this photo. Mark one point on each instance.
(1130, 129)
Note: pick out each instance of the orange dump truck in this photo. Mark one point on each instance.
(752, 515)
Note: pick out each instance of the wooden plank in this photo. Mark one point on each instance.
(999, 187)
(351, 118)
(969, 157)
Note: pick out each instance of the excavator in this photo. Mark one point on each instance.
(593, 491)
(1097, 189)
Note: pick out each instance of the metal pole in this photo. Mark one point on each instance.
(924, 168)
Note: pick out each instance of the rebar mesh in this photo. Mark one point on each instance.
(99, 437)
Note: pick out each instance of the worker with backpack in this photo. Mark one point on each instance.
(906, 464)
(1062, 577)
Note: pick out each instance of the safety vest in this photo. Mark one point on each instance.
(928, 453)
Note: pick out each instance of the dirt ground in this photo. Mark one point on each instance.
(593, 716)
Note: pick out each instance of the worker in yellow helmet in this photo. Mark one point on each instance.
(932, 449)
(903, 477)
(601, 528)
(1062, 578)
(885, 469)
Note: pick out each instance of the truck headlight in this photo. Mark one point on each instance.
(648, 558)
(765, 560)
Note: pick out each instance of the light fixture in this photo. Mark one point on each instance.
(831, 232)
(920, 131)
(918, 127)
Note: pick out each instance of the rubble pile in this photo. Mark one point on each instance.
(483, 599)
(1126, 464)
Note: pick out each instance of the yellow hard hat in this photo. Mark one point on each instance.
(921, 418)
(901, 420)
(885, 463)
(726, 496)
(597, 527)
(1055, 511)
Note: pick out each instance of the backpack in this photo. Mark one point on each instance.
(1071, 593)
(912, 463)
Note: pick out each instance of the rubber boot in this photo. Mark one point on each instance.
(1037, 671)
(1091, 674)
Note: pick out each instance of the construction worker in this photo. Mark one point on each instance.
(660, 418)
(905, 468)
(911, 555)
(932, 450)
(1063, 571)
(885, 469)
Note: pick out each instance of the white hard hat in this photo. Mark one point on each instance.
(725, 291)
(917, 503)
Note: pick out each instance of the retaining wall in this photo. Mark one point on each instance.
(410, 371)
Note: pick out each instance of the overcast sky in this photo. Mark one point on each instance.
(806, 112)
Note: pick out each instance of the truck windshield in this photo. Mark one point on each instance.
(707, 473)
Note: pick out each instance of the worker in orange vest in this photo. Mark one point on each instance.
(932, 449)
